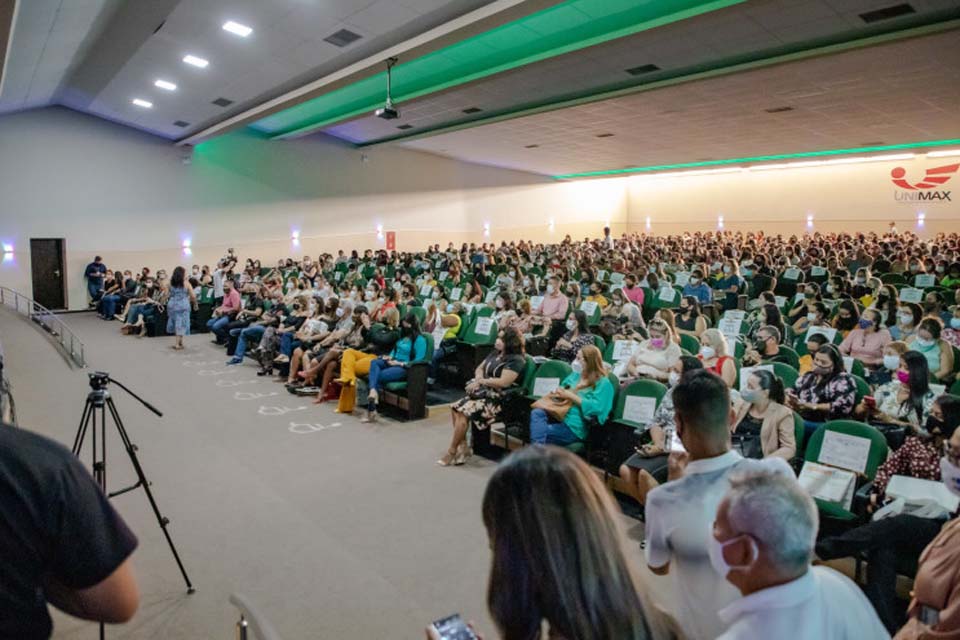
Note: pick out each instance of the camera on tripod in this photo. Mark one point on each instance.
(98, 380)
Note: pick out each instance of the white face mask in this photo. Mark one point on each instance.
(707, 352)
(950, 475)
(829, 288)
(718, 562)
(571, 325)
(550, 289)
(499, 303)
(577, 366)
(368, 295)
(727, 269)
(811, 317)
(673, 378)
(891, 363)
(339, 312)
(906, 318)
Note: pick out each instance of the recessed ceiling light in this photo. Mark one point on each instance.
(163, 84)
(146, 104)
(241, 30)
(195, 61)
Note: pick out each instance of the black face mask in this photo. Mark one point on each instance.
(929, 306)
(934, 425)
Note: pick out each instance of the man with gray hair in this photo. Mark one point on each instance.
(762, 543)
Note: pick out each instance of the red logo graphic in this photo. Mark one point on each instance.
(934, 178)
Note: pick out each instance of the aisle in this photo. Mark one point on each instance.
(336, 530)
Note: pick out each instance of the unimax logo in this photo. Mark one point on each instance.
(921, 191)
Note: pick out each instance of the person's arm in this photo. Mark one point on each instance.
(894, 465)
(946, 361)
(785, 437)
(657, 550)
(112, 600)
(419, 348)
(506, 379)
(846, 344)
(729, 372)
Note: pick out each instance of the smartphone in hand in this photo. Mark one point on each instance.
(452, 628)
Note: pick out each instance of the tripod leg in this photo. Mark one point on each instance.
(82, 429)
(161, 519)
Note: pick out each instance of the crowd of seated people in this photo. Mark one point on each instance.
(838, 327)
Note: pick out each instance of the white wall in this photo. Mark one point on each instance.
(128, 196)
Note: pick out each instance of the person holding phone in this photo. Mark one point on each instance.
(558, 556)
(827, 392)
(590, 395)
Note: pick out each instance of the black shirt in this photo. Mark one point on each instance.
(54, 521)
(95, 271)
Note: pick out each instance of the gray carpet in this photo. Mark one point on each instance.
(350, 531)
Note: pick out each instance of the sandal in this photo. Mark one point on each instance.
(448, 459)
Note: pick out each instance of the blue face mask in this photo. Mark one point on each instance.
(923, 345)
(865, 324)
(955, 323)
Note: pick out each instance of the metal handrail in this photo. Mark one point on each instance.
(251, 619)
(47, 319)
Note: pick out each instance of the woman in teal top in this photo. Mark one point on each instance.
(591, 395)
(411, 347)
(936, 350)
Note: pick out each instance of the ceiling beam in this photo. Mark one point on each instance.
(479, 20)
(8, 12)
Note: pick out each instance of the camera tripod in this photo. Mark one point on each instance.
(94, 417)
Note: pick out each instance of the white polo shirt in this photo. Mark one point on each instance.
(822, 604)
(679, 517)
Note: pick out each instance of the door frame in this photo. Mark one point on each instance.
(63, 270)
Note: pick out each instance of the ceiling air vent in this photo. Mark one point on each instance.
(778, 109)
(473, 110)
(181, 124)
(604, 135)
(405, 126)
(893, 11)
(222, 102)
(342, 38)
(639, 71)
(531, 146)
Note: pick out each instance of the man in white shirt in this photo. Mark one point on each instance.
(762, 542)
(679, 513)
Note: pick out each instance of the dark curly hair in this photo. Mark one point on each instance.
(512, 341)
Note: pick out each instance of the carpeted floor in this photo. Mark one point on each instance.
(336, 530)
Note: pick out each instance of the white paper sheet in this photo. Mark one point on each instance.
(817, 272)
(917, 491)
(845, 451)
(638, 409)
(667, 294)
(623, 349)
(827, 483)
(925, 280)
(455, 293)
(425, 291)
(791, 274)
(734, 314)
(829, 332)
(745, 373)
(543, 386)
(910, 294)
(588, 307)
(483, 326)
(729, 328)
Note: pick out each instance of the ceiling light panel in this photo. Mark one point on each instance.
(164, 84)
(196, 61)
(140, 102)
(236, 28)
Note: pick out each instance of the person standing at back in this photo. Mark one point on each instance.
(94, 274)
(679, 513)
(181, 299)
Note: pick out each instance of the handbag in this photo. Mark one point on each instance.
(556, 408)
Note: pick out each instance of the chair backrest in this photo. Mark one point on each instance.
(878, 443)
(483, 330)
(593, 312)
(665, 298)
(799, 431)
(786, 373)
(528, 374)
(641, 389)
(428, 352)
(863, 389)
(550, 370)
(690, 343)
(600, 343)
(419, 312)
(791, 354)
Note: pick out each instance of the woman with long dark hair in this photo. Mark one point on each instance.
(906, 400)
(827, 392)
(180, 301)
(558, 554)
(411, 347)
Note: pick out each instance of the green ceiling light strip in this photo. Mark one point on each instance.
(839, 43)
(781, 156)
(562, 28)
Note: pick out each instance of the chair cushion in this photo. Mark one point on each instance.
(400, 385)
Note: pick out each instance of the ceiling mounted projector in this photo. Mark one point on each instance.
(387, 111)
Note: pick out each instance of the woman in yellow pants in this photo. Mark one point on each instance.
(355, 362)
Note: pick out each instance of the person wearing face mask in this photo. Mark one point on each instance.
(908, 317)
(887, 304)
(952, 279)
(654, 357)
(504, 308)
(906, 400)
(590, 397)
(392, 367)
(714, 356)
(690, 320)
(597, 290)
(483, 403)
(895, 540)
(697, 288)
(847, 317)
(801, 307)
(732, 284)
(553, 309)
(646, 468)
(891, 362)
(816, 317)
(867, 341)
(934, 306)
(860, 286)
(763, 426)
(679, 512)
(385, 300)
(577, 336)
(827, 392)
(951, 333)
(632, 290)
(761, 542)
(936, 350)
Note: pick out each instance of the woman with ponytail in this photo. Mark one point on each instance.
(763, 426)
